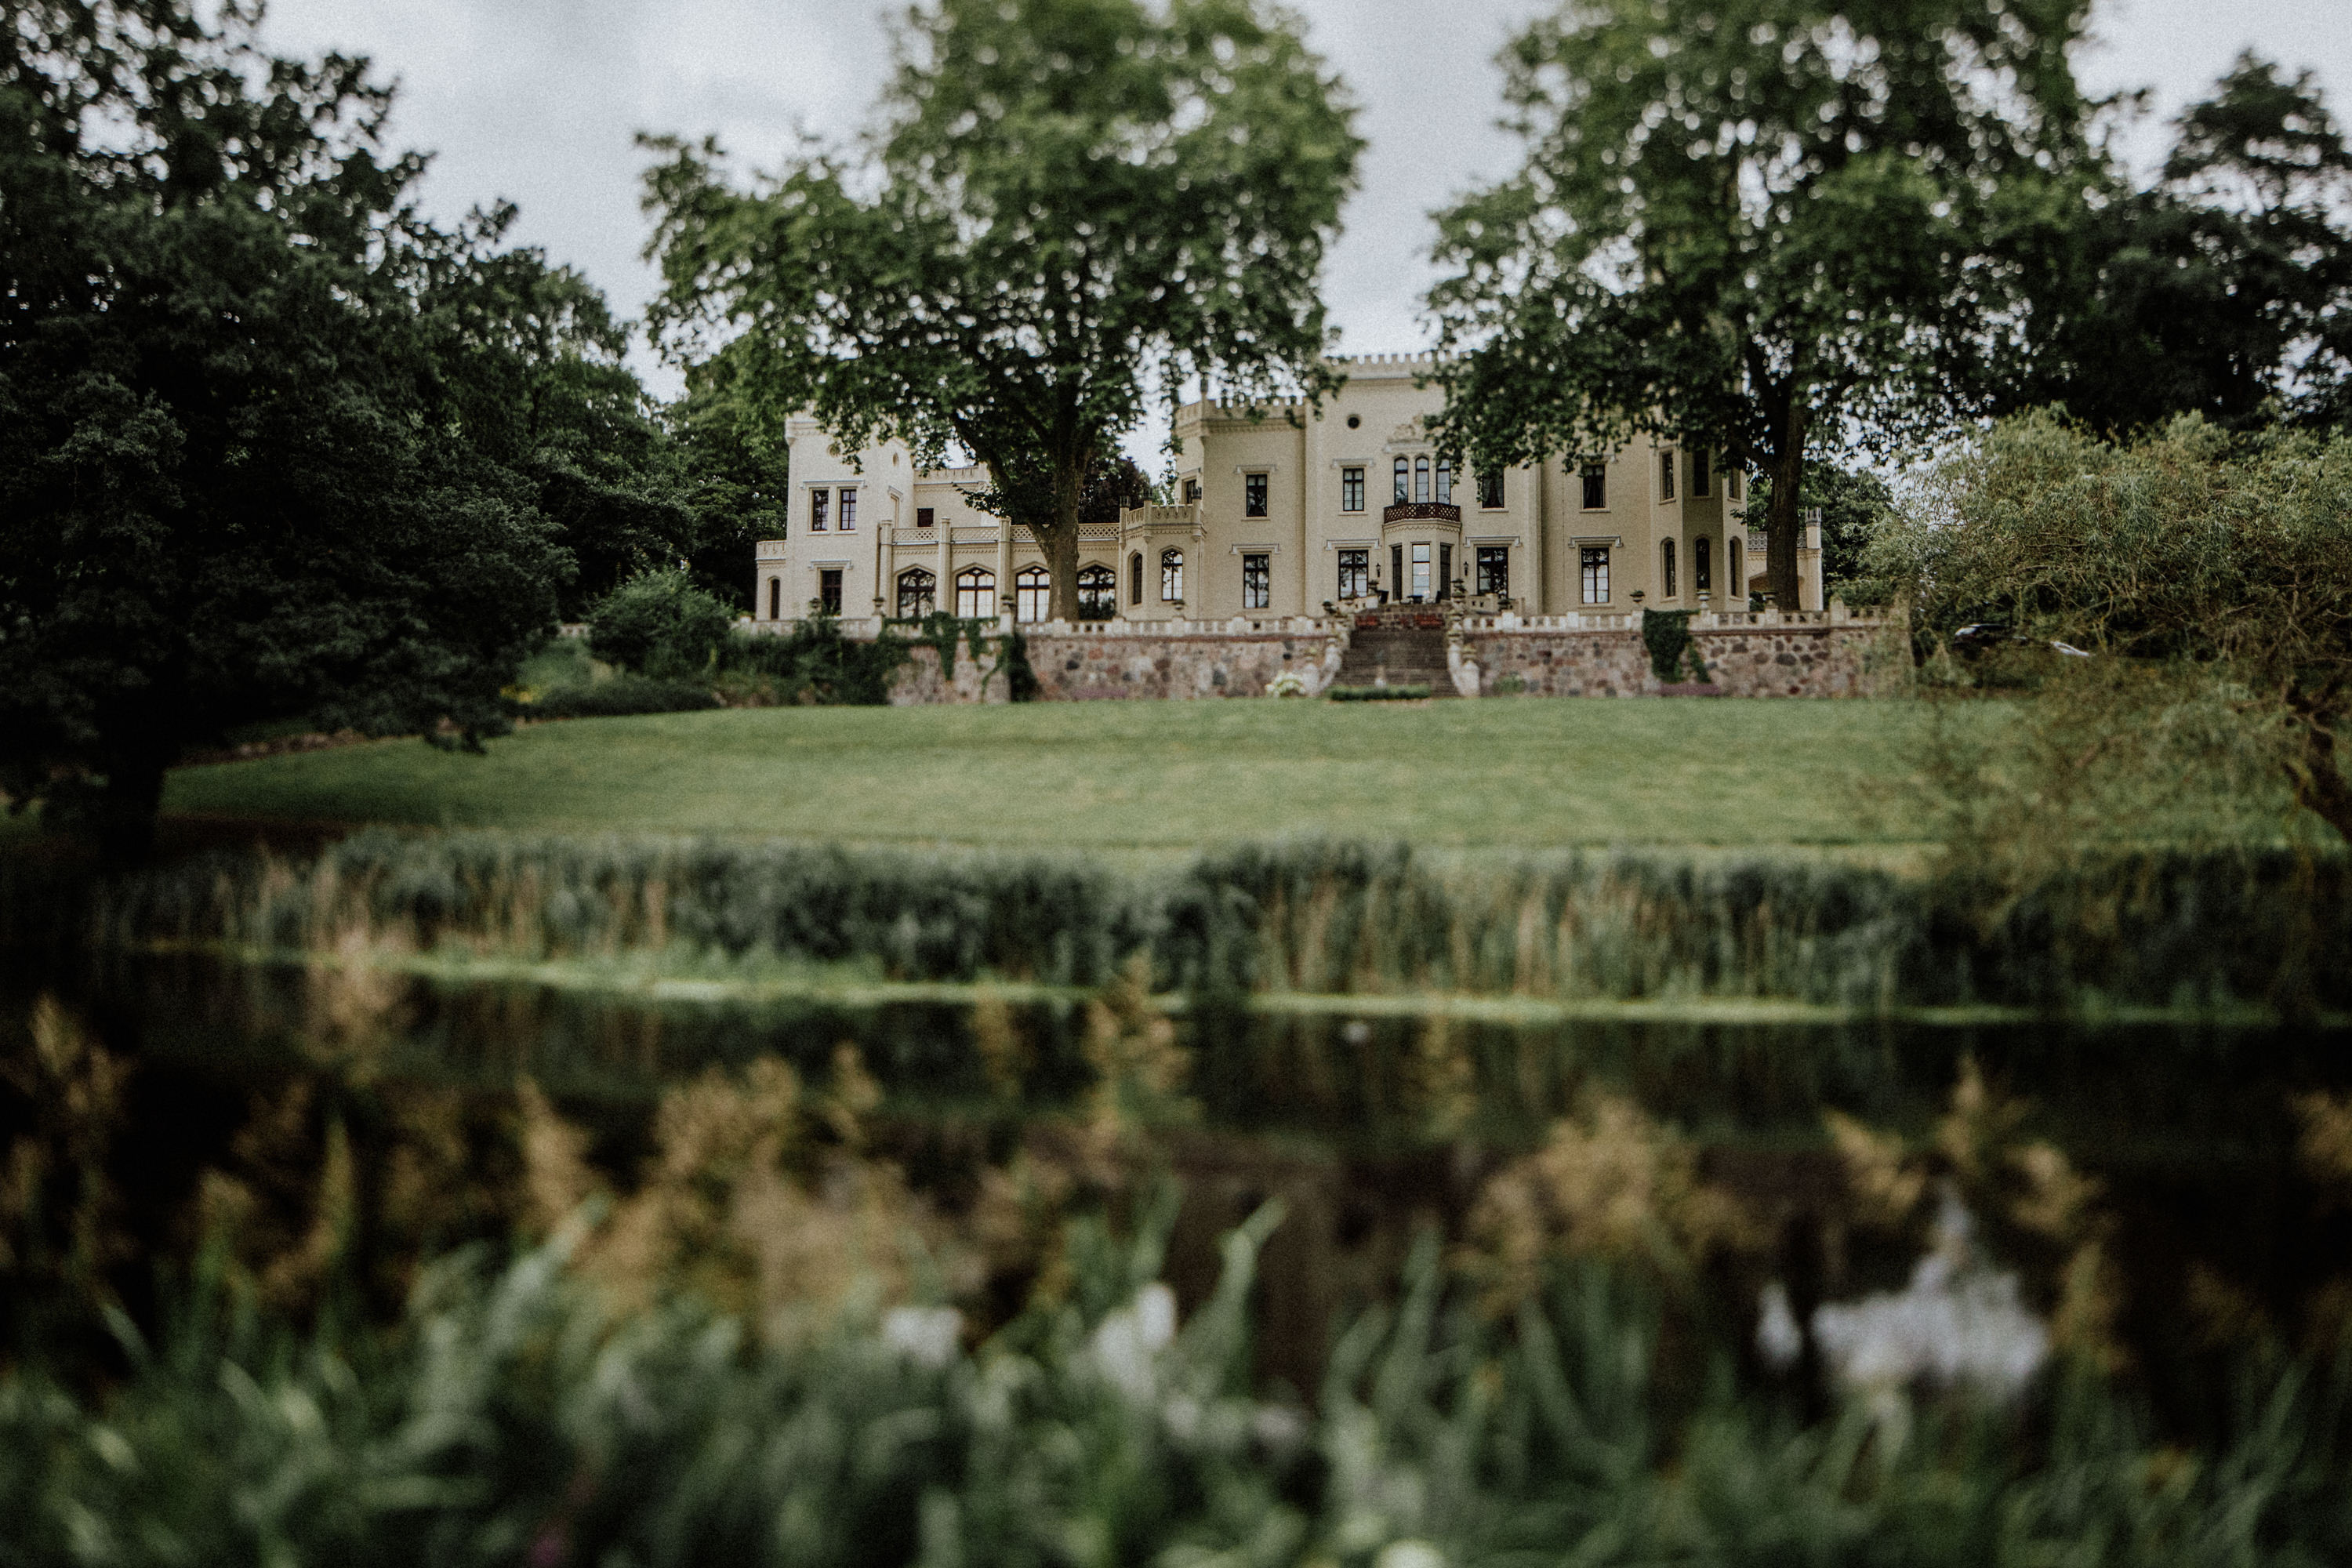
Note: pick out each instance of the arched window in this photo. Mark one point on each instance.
(775, 598)
(1172, 576)
(1098, 593)
(1421, 478)
(1445, 482)
(1702, 574)
(975, 594)
(1135, 578)
(1666, 584)
(1403, 481)
(1033, 594)
(918, 593)
(1738, 587)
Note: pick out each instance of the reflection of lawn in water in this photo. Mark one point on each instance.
(1149, 776)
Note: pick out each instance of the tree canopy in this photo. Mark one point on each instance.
(2222, 288)
(1062, 199)
(1750, 224)
(270, 444)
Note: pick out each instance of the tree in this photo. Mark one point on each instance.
(2224, 289)
(2199, 574)
(1849, 499)
(1062, 197)
(1747, 223)
(250, 448)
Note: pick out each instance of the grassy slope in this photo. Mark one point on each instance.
(1153, 776)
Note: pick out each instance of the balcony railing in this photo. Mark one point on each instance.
(1422, 511)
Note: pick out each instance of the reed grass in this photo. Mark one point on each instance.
(2211, 934)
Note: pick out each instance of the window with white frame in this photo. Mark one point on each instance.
(848, 513)
(918, 593)
(1666, 585)
(1098, 593)
(1445, 482)
(1257, 582)
(820, 501)
(1253, 495)
(1593, 576)
(1172, 576)
(1421, 565)
(1421, 478)
(1351, 489)
(1494, 570)
(975, 594)
(1033, 594)
(1403, 481)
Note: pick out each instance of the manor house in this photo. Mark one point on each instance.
(1294, 513)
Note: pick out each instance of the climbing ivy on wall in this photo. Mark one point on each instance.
(1673, 656)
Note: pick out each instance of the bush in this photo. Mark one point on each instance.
(1378, 693)
(814, 663)
(622, 695)
(659, 623)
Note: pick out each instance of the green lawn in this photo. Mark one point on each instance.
(1141, 777)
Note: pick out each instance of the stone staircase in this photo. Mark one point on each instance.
(1400, 647)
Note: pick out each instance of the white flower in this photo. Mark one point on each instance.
(1127, 1340)
(1957, 1322)
(1409, 1554)
(927, 1336)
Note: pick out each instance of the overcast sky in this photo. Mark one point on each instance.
(538, 102)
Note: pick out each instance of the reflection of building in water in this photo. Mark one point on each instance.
(1279, 516)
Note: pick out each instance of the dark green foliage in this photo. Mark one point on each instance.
(1376, 694)
(1020, 677)
(813, 662)
(2155, 930)
(659, 623)
(1851, 501)
(1673, 657)
(2223, 288)
(622, 695)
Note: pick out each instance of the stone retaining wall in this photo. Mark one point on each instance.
(1781, 661)
(1778, 661)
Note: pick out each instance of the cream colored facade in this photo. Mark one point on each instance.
(1286, 515)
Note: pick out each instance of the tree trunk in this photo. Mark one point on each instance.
(1783, 530)
(1061, 544)
(2319, 782)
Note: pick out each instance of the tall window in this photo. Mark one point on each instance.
(1257, 582)
(1421, 571)
(1445, 571)
(849, 512)
(1403, 481)
(1172, 576)
(975, 594)
(1731, 484)
(1445, 482)
(1702, 575)
(1698, 472)
(1666, 584)
(828, 591)
(1032, 592)
(775, 598)
(1490, 490)
(1351, 489)
(1421, 478)
(924, 516)
(1738, 587)
(1135, 578)
(1191, 489)
(1594, 577)
(1253, 495)
(1493, 569)
(918, 593)
(1098, 593)
(1596, 488)
(1355, 574)
(818, 502)
(1666, 476)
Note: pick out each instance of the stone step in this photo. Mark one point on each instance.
(1401, 655)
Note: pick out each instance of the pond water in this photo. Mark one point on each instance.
(1368, 1124)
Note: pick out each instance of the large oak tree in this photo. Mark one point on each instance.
(1753, 224)
(1062, 200)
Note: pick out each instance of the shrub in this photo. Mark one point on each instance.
(814, 663)
(1378, 693)
(622, 695)
(659, 623)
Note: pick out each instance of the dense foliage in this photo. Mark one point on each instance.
(2204, 578)
(2223, 289)
(1060, 194)
(1851, 501)
(659, 624)
(1752, 227)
